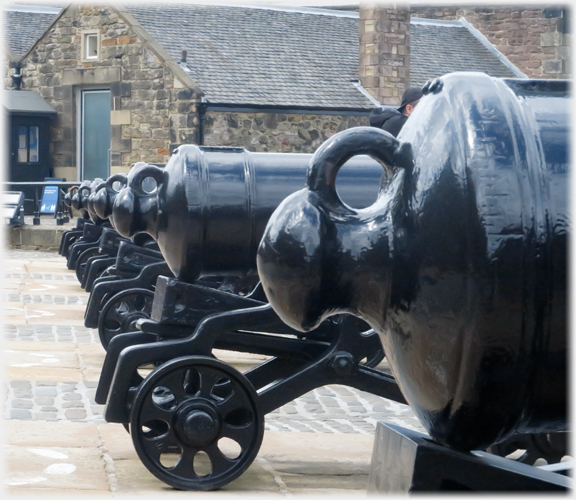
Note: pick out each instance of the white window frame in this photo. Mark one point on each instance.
(85, 44)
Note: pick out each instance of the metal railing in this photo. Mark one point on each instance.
(62, 213)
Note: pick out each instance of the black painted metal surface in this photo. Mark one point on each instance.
(405, 461)
(212, 204)
(461, 263)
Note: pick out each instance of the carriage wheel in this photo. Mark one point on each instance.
(83, 260)
(528, 448)
(195, 423)
(120, 313)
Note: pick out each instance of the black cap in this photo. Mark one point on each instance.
(411, 94)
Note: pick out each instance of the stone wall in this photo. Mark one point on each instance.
(534, 38)
(384, 51)
(152, 110)
(275, 132)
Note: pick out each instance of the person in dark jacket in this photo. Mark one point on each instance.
(393, 119)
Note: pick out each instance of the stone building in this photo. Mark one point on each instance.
(131, 84)
(535, 38)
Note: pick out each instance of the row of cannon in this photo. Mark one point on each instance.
(443, 250)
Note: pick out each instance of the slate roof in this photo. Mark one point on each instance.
(277, 56)
(261, 56)
(23, 25)
(438, 49)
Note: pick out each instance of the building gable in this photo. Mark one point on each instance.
(24, 25)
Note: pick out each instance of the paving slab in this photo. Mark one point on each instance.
(31, 314)
(55, 467)
(52, 434)
(10, 345)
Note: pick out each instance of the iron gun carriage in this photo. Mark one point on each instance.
(217, 224)
(189, 320)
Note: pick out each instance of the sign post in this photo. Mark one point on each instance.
(49, 200)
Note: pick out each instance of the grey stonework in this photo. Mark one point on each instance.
(139, 81)
(162, 112)
(536, 38)
(275, 132)
(385, 50)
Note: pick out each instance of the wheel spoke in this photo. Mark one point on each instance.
(175, 382)
(155, 447)
(242, 435)
(208, 379)
(220, 462)
(185, 466)
(114, 314)
(151, 411)
(131, 302)
(234, 401)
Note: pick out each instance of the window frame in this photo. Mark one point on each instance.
(28, 148)
(85, 45)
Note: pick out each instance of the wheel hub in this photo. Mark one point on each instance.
(198, 424)
(129, 324)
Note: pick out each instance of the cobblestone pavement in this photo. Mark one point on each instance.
(336, 409)
(53, 365)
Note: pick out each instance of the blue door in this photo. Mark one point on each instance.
(95, 145)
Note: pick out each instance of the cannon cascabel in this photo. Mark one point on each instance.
(103, 199)
(211, 204)
(79, 198)
(86, 199)
(460, 265)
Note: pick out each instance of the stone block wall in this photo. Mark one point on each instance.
(385, 50)
(151, 110)
(275, 132)
(535, 38)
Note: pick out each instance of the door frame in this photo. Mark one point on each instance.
(79, 127)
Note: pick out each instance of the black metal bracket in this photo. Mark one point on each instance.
(406, 461)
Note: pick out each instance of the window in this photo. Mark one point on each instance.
(28, 144)
(90, 46)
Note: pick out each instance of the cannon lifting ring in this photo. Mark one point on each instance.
(195, 423)
(120, 313)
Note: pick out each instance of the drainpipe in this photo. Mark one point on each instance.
(201, 107)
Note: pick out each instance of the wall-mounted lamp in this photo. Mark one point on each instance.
(16, 75)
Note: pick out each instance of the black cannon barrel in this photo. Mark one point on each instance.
(211, 204)
(79, 198)
(102, 200)
(83, 199)
(460, 265)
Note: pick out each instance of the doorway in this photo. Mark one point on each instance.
(94, 134)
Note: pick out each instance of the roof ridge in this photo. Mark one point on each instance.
(278, 8)
(33, 9)
(436, 22)
(484, 41)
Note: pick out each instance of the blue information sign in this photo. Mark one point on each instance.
(49, 200)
